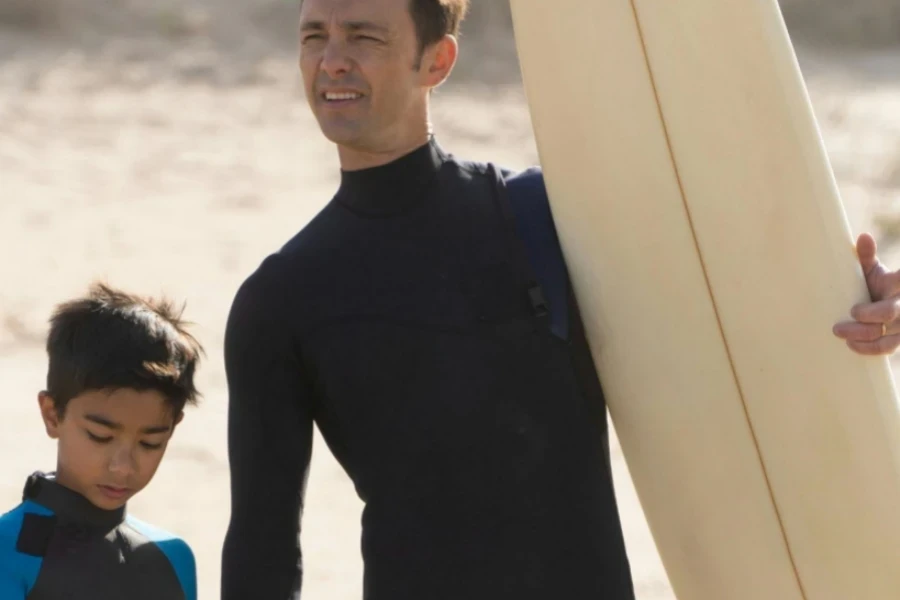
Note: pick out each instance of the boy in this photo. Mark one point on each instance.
(120, 372)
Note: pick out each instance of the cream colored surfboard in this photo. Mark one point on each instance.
(711, 256)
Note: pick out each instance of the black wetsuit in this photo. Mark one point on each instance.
(400, 322)
(56, 545)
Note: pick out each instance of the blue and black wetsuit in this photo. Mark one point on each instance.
(56, 545)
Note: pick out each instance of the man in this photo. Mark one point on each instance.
(399, 322)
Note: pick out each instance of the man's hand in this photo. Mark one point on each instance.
(875, 329)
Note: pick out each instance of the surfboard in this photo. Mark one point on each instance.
(710, 255)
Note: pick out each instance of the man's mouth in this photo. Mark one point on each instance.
(340, 97)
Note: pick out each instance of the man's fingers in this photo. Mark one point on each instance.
(888, 283)
(883, 311)
(882, 346)
(860, 332)
(866, 249)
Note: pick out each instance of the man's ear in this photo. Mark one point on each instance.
(49, 414)
(438, 61)
(178, 418)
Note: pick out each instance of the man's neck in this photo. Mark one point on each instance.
(353, 159)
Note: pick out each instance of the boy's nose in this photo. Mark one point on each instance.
(122, 461)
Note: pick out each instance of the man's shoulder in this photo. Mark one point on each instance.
(175, 548)
(471, 169)
(527, 184)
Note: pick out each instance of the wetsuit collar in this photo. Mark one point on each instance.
(394, 187)
(43, 489)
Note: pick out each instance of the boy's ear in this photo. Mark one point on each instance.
(49, 414)
(178, 418)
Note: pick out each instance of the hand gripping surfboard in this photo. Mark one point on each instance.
(708, 248)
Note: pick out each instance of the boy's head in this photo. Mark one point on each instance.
(121, 370)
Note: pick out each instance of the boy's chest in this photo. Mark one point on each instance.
(122, 565)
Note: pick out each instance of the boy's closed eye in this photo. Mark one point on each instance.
(109, 424)
(100, 439)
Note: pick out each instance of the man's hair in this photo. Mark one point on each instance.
(110, 339)
(436, 18)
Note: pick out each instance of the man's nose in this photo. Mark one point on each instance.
(335, 60)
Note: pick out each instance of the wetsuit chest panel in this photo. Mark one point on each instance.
(79, 564)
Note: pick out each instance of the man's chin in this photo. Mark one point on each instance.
(340, 131)
(343, 138)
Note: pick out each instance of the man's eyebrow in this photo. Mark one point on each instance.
(312, 26)
(99, 420)
(364, 26)
(347, 25)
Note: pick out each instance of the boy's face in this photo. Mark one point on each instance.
(110, 442)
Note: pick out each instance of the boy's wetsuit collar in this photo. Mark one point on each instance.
(42, 488)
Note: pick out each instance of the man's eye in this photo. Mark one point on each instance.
(313, 37)
(150, 446)
(98, 439)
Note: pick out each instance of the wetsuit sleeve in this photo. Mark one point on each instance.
(182, 559)
(10, 587)
(270, 432)
(176, 550)
(18, 570)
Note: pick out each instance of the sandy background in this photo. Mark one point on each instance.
(167, 147)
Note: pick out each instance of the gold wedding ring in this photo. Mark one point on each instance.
(883, 329)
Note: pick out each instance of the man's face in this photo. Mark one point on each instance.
(110, 442)
(358, 60)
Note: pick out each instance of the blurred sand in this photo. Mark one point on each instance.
(170, 149)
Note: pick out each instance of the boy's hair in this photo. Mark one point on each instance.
(110, 339)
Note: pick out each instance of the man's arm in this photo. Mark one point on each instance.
(269, 444)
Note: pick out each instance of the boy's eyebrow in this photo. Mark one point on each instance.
(117, 426)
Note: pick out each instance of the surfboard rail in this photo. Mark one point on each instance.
(708, 247)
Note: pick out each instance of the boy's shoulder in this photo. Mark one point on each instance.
(174, 548)
(12, 522)
(19, 568)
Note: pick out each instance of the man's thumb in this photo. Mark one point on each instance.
(866, 252)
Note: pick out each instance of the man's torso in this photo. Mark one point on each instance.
(476, 437)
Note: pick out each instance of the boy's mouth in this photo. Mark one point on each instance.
(113, 492)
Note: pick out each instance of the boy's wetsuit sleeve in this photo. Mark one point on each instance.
(176, 550)
(18, 570)
(10, 588)
(270, 430)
